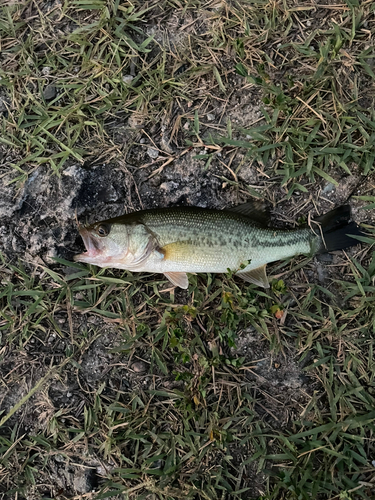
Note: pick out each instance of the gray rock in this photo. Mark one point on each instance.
(139, 367)
(168, 186)
(127, 79)
(152, 153)
(49, 92)
(328, 188)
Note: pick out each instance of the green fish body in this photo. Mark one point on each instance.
(181, 240)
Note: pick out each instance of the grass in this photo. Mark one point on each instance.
(148, 393)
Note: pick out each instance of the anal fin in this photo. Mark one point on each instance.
(178, 279)
(256, 276)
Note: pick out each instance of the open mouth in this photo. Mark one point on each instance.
(91, 244)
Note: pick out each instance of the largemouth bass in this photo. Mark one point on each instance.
(176, 241)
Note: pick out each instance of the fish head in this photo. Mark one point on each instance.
(106, 244)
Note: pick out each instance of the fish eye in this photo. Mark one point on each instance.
(103, 229)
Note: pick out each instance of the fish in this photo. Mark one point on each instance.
(181, 240)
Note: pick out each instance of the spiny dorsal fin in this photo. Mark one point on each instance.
(256, 276)
(255, 210)
(178, 279)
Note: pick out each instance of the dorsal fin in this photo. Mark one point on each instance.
(255, 210)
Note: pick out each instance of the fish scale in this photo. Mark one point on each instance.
(220, 240)
(176, 241)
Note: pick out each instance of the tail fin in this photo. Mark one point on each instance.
(336, 229)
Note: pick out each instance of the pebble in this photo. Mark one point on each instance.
(127, 79)
(152, 153)
(328, 188)
(46, 70)
(210, 117)
(168, 186)
(139, 367)
(49, 92)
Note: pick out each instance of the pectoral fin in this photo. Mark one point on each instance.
(177, 251)
(256, 276)
(178, 279)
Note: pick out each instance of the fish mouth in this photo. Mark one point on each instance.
(92, 245)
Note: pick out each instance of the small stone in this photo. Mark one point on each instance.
(210, 117)
(69, 394)
(186, 126)
(328, 188)
(152, 153)
(308, 23)
(46, 70)
(127, 79)
(139, 367)
(142, 141)
(168, 186)
(49, 92)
